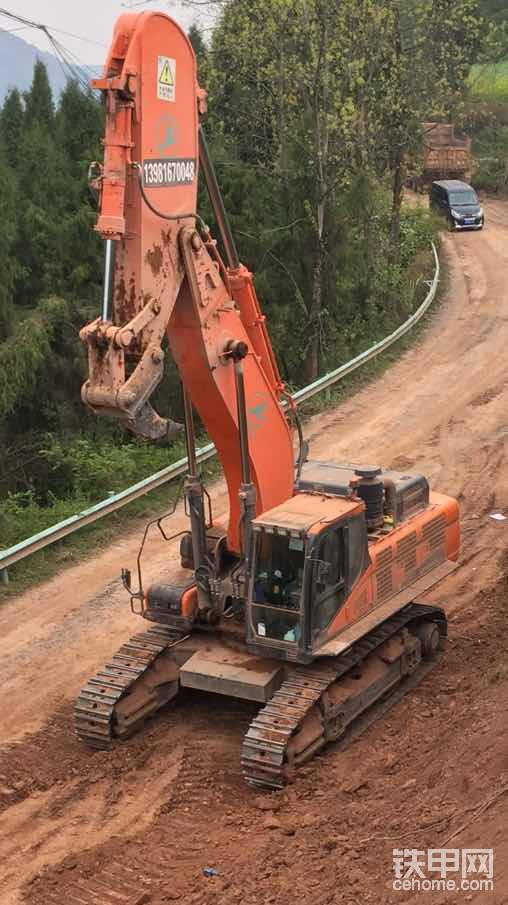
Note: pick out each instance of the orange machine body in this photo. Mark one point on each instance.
(396, 565)
(402, 557)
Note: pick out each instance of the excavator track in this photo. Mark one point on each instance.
(298, 720)
(139, 679)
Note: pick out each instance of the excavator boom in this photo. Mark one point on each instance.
(169, 280)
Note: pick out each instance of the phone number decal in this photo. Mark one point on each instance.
(164, 172)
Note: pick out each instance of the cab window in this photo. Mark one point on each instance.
(339, 560)
(277, 587)
(329, 579)
(279, 571)
(358, 549)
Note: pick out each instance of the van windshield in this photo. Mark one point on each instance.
(459, 198)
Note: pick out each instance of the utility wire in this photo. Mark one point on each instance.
(72, 67)
(30, 23)
(70, 34)
(9, 31)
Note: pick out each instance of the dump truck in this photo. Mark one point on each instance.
(445, 154)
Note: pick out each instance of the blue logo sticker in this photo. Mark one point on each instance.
(257, 416)
(166, 134)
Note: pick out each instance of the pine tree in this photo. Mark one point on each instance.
(79, 127)
(11, 125)
(8, 267)
(200, 49)
(39, 99)
(44, 187)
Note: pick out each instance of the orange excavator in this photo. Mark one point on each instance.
(305, 598)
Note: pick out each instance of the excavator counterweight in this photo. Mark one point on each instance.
(305, 597)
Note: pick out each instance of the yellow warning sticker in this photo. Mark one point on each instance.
(166, 78)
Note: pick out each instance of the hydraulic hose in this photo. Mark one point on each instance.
(158, 213)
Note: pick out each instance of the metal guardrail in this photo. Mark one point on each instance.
(26, 547)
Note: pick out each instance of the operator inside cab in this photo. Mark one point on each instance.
(278, 583)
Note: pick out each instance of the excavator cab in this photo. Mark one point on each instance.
(308, 554)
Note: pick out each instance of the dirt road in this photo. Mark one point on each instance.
(137, 825)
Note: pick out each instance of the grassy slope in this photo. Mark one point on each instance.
(490, 81)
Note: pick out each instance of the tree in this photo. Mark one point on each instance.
(294, 106)
(39, 99)
(79, 128)
(11, 125)
(325, 97)
(8, 267)
(494, 10)
(44, 189)
(200, 49)
(433, 45)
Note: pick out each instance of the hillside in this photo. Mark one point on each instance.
(17, 63)
(490, 81)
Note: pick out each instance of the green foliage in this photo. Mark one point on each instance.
(11, 126)
(334, 101)
(8, 231)
(491, 150)
(79, 125)
(492, 176)
(21, 515)
(91, 467)
(54, 249)
(200, 49)
(489, 81)
(496, 11)
(39, 106)
(492, 141)
(26, 353)
(418, 230)
(41, 190)
(81, 471)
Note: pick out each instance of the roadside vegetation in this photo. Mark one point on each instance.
(486, 108)
(314, 113)
(490, 82)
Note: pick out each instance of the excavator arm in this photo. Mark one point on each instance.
(167, 277)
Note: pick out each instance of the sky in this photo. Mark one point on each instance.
(92, 20)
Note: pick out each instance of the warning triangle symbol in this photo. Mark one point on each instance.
(166, 76)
